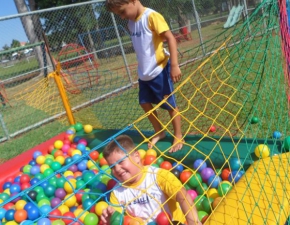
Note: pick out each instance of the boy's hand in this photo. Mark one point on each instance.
(106, 215)
(175, 73)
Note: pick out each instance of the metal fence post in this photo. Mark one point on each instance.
(4, 127)
(122, 49)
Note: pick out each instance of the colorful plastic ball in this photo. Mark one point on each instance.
(136, 221)
(58, 222)
(254, 120)
(195, 180)
(14, 188)
(24, 178)
(176, 173)
(177, 166)
(286, 143)
(33, 213)
(225, 174)
(212, 193)
(206, 205)
(70, 200)
(27, 168)
(224, 188)
(68, 217)
(55, 166)
(45, 209)
(94, 155)
(214, 181)
(91, 219)
(198, 202)
(166, 165)
(192, 193)
(9, 214)
(78, 126)
(216, 202)
(20, 204)
(142, 153)
(88, 128)
(277, 134)
(199, 165)
(44, 201)
(54, 214)
(81, 147)
(149, 159)
(44, 221)
(34, 170)
(60, 159)
(54, 202)
(63, 209)
(6, 185)
(235, 163)
(70, 186)
(20, 215)
(201, 215)
(49, 190)
(201, 188)
(88, 203)
(100, 206)
(36, 154)
(60, 193)
(185, 175)
(82, 166)
(207, 173)
(58, 144)
(116, 218)
(25, 186)
(126, 220)
(151, 152)
(163, 218)
(262, 151)
(2, 213)
(235, 176)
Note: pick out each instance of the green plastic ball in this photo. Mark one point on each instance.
(286, 143)
(116, 218)
(206, 204)
(60, 182)
(91, 219)
(224, 188)
(198, 202)
(78, 126)
(195, 180)
(201, 188)
(254, 120)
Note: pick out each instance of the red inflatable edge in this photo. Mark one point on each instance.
(12, 167)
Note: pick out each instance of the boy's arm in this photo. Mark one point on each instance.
(187, 207)
(108, 212)
(175, 72)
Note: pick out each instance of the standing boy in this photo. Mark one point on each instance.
(145, 191)
(156, 72)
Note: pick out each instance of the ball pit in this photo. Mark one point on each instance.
(76, 195)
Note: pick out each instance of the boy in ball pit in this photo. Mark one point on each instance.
(156, 71)
(145, 191)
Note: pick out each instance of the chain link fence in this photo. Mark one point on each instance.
(97, 60)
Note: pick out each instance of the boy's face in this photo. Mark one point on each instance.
(125, 168)
(126, 11)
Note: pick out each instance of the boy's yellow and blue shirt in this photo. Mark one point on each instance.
(148, 44)
(154, 192)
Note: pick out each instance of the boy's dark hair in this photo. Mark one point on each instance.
(110, 4)
(124, 141)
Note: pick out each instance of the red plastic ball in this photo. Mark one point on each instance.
(163, 218)
(54, 214)
(94, 155)
(166, 165)
(25, 186)
(149, 159)
(24, 178)
(111, 183)
(70, 216)
(225, 174)
(184, 176)
(127, 220)
(79, 196)
(8, 206)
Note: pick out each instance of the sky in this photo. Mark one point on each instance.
(12, 28)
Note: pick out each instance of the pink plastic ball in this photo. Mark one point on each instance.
(192, 194)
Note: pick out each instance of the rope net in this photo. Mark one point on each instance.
(233, 105)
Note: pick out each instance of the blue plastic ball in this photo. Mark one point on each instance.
(277, 134)
(2, 213)
(15, 188)
(44, 221)
(9, 215)
(214, 181)
(33, 213)
(45, 209)
(235, 176)
(6, 185)
(36, 154)
(199, 165)
(179, 167)
(235, 164)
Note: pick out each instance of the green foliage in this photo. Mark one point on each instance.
(15, 44)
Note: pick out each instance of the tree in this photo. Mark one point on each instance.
(30, 26)
(15, 44)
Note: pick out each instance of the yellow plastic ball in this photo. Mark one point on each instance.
(58, 144)
(43, 167)
(142, 153)
(68, 173)
(90, 164)
(60, 159)
(212, 193)
(11, 223)
(70, 201)
(88, 128)
(100, 206)
(20, 204)
(63, 209)
(70, 186)
(151, 152)
(40, 159)
(7, 191)
(76, 152)
(262, 151)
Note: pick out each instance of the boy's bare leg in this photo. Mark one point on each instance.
(156, 125)
(176, 122)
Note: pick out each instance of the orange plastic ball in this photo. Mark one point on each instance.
(20, 215)
(225, 174)
(149, 159)
(94, 155)
(103, 162)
